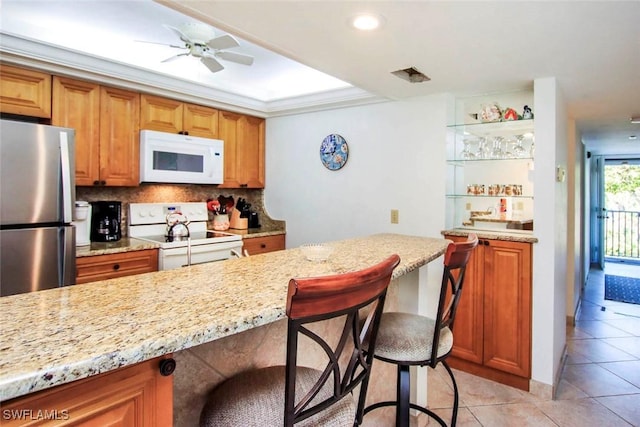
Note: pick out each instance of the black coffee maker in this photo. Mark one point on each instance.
(105, 221)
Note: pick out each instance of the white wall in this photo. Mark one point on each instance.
(396, 161)
(550, 253)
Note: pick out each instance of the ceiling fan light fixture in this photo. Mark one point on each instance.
(412, 75)
(366, 21)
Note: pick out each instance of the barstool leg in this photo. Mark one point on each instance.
(454, 415)
(404, 394)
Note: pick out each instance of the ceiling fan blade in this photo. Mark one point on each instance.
(178, 33)
(223, 42)
(161, 44)
(173, 58)
(235, 57)
(212, 64)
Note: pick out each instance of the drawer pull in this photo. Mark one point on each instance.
(263, 245)
(116, 267)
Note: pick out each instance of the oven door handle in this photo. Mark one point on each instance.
(188, 251)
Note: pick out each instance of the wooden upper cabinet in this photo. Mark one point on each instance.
(200, 121)
(244, 145)
(76, 104)
(119, 137)
(168, 115)
(25, 92)
(107, 134)
(161, 114)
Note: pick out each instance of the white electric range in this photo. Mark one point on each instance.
(147, 221)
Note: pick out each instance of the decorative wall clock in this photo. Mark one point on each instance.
(334, 152)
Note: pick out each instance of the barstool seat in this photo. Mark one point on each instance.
(398, 340)
(256, 398)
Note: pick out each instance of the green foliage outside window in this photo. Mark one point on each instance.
(622, 200)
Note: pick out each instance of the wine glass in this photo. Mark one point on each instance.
(466, 153)
(518, 150)
(532, 149)
(483, 151)
(496, 151)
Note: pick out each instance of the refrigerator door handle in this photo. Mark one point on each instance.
(67, 258)
(67, 195)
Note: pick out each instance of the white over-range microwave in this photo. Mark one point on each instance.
(180, 159)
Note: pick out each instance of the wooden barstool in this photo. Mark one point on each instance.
(292, 394)
(407, 340)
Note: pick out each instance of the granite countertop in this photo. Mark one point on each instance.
(510, 235)
(129, 244)
(126, 244)
(60, 335)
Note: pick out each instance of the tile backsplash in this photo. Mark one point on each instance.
(159, 193)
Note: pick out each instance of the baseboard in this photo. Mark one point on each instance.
(571, 320)
(548, 391)
(490, 373)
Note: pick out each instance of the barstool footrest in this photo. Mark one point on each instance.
(430, 413)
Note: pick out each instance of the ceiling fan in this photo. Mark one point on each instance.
(201, 42)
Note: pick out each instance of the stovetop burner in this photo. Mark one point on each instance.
(197, 238)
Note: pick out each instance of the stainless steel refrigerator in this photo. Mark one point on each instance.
(37, 192)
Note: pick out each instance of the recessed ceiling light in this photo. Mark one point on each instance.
(632, 138)
(366, 22)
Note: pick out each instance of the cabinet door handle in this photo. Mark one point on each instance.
(485, 242)
(167, 366)
(96, 182)
(116, 267)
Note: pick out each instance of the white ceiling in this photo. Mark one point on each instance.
(591, 47)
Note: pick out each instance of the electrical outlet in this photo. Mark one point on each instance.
(395, 216)
(468, 206)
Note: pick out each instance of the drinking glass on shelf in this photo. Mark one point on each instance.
(518, 149)
(532, 149)
(496, 151)
(466, 153)
(483, 151)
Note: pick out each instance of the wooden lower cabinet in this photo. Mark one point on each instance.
(492, 330)
(261, 245)
(134, 396)
(103, 267)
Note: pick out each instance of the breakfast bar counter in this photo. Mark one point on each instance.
(57, 336)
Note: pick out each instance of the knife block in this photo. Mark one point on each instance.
(238, 223)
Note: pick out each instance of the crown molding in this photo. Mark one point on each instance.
(58, 60)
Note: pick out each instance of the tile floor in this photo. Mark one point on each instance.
(600, 385)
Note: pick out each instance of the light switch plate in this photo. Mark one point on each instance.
(395, 216)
